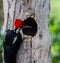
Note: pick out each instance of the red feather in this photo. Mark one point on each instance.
(18, 23)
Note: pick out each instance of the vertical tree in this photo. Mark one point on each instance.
(34, 49)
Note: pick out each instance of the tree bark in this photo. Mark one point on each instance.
(34, 49)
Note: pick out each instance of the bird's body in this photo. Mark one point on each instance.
(11, 45)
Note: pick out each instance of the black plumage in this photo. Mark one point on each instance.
(12, 43)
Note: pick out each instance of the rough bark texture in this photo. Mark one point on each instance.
(33, 49)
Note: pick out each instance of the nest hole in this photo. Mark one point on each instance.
(30, 27)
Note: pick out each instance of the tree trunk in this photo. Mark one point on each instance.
(34, 49)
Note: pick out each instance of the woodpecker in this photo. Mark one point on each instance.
(12, 42)
(13, 38)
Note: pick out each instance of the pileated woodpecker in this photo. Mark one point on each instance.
(13, 38)
(12, 42)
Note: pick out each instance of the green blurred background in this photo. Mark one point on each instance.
(54, 29)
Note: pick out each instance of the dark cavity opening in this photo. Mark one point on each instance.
(30, 27)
